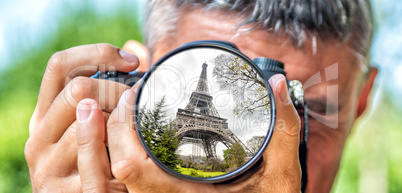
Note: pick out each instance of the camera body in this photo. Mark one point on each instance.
(128, 79)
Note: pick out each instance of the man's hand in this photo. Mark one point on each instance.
(130, 164)
(51, 150)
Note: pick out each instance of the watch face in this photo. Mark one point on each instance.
(204, 113)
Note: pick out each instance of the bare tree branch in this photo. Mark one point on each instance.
(243, 81)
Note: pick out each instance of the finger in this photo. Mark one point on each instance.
(80, 61)
(62, 113)
(136, 86)
(284, 144)
(124, 145)
(93, 162)
(141, 52)
(66, 148)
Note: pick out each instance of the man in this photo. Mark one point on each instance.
(324, 44)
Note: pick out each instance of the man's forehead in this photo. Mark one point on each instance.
(303, 64)
(315, 54)
(318, 64)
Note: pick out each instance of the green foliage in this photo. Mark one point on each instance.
(372, 156)
(215, 165)
(159, 134)
(198, 173)
(235, 156)
(19, 85)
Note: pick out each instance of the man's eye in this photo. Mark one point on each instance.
(322, 107)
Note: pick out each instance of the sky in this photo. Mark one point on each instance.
(386, 52)
(14, 15)
(24, 22)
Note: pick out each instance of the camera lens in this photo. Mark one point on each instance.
(205, 113)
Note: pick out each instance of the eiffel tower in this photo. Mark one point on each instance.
(200, 124)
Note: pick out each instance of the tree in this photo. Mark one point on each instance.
(235, 156)
(159, 134)
(66, 24)
(255, 143)
(249, 92)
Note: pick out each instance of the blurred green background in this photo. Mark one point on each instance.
(31, 31)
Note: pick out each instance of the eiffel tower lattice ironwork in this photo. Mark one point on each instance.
(199, 122)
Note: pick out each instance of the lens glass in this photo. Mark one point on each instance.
(204, 112)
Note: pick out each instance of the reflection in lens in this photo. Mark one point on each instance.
(191, 130)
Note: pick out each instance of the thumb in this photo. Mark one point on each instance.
(93, 163)
(141, 52)
(284, 145)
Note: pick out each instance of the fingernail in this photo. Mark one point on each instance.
(281, 88)
(283, 92)
(125, 97)
(131, 58)
(84, 109)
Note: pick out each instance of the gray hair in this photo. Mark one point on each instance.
(349, 21)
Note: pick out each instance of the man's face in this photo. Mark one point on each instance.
(330, 77)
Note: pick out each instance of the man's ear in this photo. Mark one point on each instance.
(365, 92)
(141, 52)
